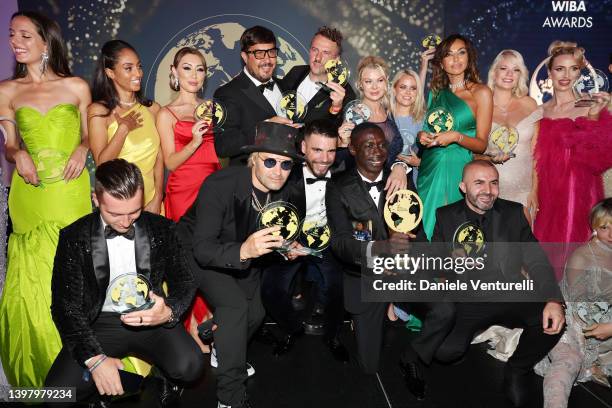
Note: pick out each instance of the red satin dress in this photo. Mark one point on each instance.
(571, 157)
(183, 185)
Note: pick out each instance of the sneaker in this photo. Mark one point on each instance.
(215, 363)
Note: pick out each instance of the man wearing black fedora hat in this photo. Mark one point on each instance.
(228, 252)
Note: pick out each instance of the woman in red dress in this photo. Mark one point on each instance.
(189, 152)
(572, 151)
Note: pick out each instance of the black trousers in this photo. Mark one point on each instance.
(473, 317)
(276, 292)
(173, 351)
(235, 301)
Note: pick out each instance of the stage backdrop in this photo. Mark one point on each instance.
(392, 29)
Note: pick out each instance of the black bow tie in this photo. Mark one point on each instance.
(110, 233)
(378, 184)
(311, 180)
(269, 85)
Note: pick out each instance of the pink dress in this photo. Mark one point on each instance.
(571, 156)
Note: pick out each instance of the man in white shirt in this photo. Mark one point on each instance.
(118, 240)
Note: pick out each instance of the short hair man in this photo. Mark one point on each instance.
(250, 97)
(117, 239)
(325, 45)
(226, 250)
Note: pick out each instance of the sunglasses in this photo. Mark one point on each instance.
(270, 163)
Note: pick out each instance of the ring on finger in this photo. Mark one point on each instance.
(140, 319)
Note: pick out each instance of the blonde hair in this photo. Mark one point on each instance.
(521, 87)
(601, 213)
(251, 160)
(557, 48)
(417, 110)
(378, 63)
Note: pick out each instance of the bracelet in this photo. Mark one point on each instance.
(172, 318)
(460, 138)
(97, 363)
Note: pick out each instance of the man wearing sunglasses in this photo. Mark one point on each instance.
(306, 79)
(250, 97)
(229, 252)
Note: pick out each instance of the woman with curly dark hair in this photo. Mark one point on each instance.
(455, 90)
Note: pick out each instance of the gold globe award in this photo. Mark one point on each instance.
(431, 41)
(469, 239)
(504, 140)
(440, 120)
(337, 71)
(284, 215)
(315, 236)
(403, 211)
(50, 165)
(129, 292)
(292, 106)
(212, 112)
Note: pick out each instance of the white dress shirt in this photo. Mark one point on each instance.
(272, 96)
(121, 260)
(374, 193)
(308, 88)
(315, 196)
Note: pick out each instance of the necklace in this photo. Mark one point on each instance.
(503, 109)
(460, 84)
(128, 104)
(256, 204)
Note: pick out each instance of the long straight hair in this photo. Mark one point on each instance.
(51, 34)
(103, 89)
(417, 110)
(439, 78)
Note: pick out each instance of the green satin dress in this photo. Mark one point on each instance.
(441, 167)
(29, 341)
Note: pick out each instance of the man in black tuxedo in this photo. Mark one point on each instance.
(226, 251)
(354, 202)
(322, 104)
(117, 239)
(250, 97)
(501, 221)
(306, 190)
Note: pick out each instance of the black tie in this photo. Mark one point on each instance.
(378, 184)
(269, 85)
(311, 180)
(110, 233)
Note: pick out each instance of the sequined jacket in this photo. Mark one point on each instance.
(81, 276)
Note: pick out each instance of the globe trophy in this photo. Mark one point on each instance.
(357, 112)
(440, 120)
(403, 211)
(315, 236)
(284, 215)
(431, 41)
(129, 292)
(591, 81)
(337, 71)
(50, 164)
(292, 106)
(503, 140)
(469, 240)
(212, 112)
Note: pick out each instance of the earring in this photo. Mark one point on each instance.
(44, 62)
(175, 82)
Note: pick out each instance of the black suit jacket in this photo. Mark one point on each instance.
(215, 227)
(507, 225)
(246, 106)
(81, 276)
(318, 106)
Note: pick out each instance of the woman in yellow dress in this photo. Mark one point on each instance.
(49, 189)
(122, 121)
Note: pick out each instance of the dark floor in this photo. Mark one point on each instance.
(309, 377)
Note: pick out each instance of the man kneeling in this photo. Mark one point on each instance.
(117, 239)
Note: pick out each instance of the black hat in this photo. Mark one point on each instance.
(272, 137)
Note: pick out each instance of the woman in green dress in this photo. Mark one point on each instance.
(49, 189)
(455, 90)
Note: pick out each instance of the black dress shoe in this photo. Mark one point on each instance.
(516, 385)
(414, 378)
(285, 345)
(169, 393)
(315, 325)
(338, 350)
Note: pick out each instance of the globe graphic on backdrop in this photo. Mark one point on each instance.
(218, 39)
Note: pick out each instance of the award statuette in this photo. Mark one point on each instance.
(50, 164)
(469, 238)
(284, 215)
(591, 81)
(292, 106)
(315, 236)
(440, 120)
(431, 41)
(337, 72)
(357, 112)
(129, 293)
(403, 211)
(212, 112)
(504, 139)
